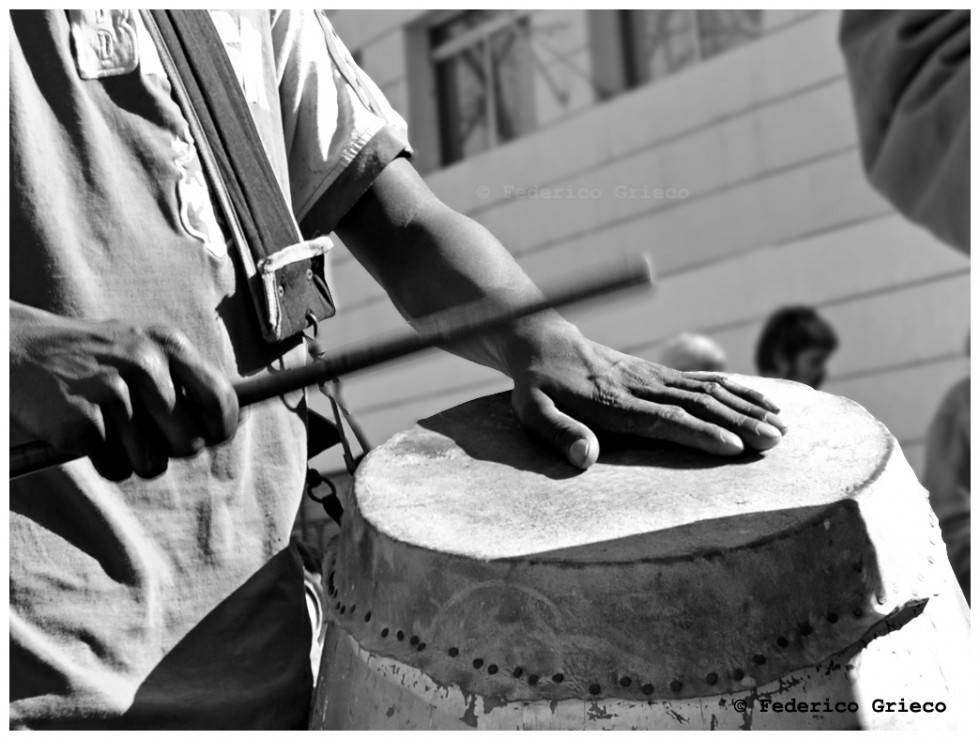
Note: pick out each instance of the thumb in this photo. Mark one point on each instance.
(569, 438)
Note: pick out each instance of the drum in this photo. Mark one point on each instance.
(481, 582)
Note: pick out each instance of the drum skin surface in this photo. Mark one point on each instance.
(475, 563)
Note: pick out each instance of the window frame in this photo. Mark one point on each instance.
(634, 77)
(453, 47)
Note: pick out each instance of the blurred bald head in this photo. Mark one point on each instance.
(693, 352)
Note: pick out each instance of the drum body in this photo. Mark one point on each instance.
(480, 582)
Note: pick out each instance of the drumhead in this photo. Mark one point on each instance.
(471, 482)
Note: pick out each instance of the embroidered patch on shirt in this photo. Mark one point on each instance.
(104, 42)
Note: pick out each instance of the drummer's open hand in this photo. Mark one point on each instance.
(430, 258)
(128, 397)
(566, 386)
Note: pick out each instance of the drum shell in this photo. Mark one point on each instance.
(921, 656)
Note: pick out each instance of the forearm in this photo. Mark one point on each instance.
(430, 259)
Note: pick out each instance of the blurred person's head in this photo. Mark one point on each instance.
(796, 344)
(693, 352)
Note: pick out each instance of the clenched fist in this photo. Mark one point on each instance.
(128, 397)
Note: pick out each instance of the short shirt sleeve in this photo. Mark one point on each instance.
(339, 130)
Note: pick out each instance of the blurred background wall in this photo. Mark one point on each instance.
(720, 142)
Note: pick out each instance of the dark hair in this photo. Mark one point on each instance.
(788, 332)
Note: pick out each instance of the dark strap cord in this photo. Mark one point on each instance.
(214, 94)
(213, 90)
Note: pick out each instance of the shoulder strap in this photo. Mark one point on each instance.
(254, 195)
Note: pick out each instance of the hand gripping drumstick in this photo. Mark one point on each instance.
(449, 326)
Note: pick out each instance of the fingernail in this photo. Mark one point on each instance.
(764, 430)
(771, 406)
(776, 422)
(578, 453)
(732, 440)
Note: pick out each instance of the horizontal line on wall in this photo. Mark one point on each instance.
(638, 90)
(896, 367)
(754, 249)
(543, 246)
(700, 195)
(843, 300)
(350, 308)
(663, 141)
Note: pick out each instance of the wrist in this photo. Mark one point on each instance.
(533, 336)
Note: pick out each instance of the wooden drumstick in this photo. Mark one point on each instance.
(450, 326)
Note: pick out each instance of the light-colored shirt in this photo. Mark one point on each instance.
(173, 602)
(910, 78)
